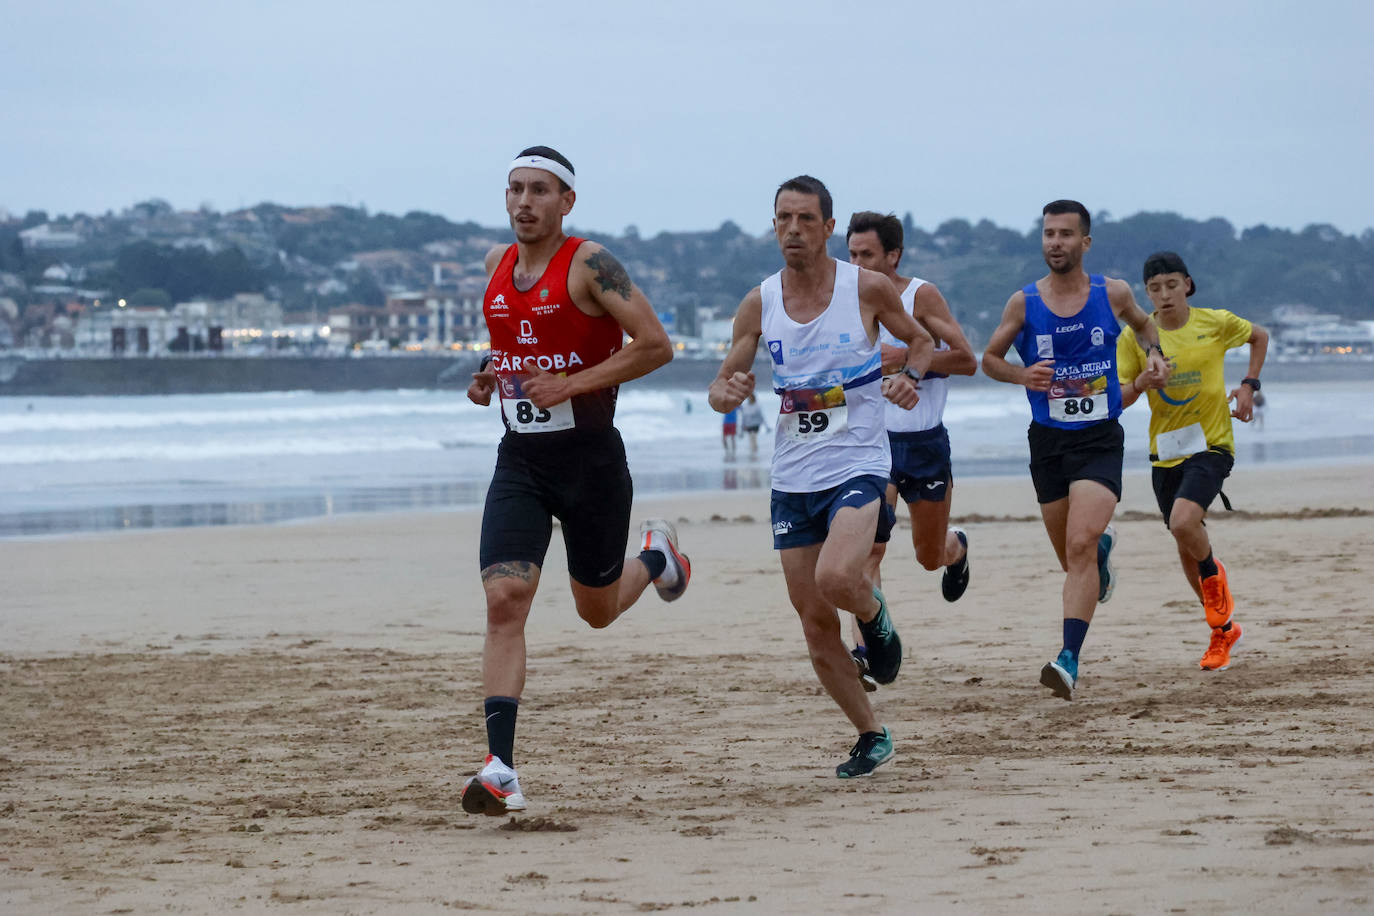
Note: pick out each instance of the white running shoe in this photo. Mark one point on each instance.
(659, 534)
(494, 791)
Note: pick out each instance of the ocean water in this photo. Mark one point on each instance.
(70, 465)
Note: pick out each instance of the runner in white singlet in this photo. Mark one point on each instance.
(820, 318)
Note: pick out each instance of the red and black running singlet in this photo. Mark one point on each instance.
(542, 327)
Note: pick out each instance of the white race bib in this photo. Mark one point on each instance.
(1078, 408)
(1180, 443)
(810, 415)
(524, 417)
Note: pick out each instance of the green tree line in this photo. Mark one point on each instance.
(287, 252)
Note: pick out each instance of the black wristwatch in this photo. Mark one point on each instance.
(1252, 382)
(915, 379)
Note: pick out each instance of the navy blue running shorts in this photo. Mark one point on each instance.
(921, 466)
(802, 519)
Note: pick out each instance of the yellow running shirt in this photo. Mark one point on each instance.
(1196, 394)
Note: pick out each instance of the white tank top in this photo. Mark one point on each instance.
(929, 412)
(830, 425)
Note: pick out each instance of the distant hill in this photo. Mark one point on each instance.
(317, 257)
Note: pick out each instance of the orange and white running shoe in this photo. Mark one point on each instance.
(494, 791)
(1216, 598)
(1218, 654)
(659, 534)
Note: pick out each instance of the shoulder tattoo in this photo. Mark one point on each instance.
(610, 276)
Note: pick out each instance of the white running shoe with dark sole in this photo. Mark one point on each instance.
(494, 791)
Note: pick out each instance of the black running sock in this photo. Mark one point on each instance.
(1226, 627)
(654, 561)
(501, 728)
(1207, 568)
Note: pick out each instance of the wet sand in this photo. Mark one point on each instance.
(266, 717)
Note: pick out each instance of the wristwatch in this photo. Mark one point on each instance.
(915, 379)
(1254, 383)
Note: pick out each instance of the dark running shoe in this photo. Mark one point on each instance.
(1106, 576)
(861, 662)
(955, 580)
(881, 643)
(872, 750)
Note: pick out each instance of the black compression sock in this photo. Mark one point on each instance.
(1208, 567)
(501, 728)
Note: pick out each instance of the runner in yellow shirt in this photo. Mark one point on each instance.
(1192, 446)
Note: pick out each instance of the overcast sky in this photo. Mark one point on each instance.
(681, 116)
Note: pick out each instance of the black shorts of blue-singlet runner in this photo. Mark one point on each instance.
(581, 480)
(1061, 456)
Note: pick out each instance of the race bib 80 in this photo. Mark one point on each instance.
(1081, 400)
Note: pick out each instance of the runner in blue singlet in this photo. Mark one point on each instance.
(1065, 327)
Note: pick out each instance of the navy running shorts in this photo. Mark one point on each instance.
(802, 519)
(921, 467)
(583, 481)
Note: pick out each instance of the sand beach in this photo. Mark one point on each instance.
(279, 718)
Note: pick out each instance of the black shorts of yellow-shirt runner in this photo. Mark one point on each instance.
(579, 477)
(1061, 456)
(1198, 478)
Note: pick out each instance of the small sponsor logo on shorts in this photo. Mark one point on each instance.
(781, 528)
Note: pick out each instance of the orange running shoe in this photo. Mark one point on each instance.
(1218, 654)
(1216, 598)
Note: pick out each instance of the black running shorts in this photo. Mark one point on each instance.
(1198, 478)
(582, 480)
(1061, 456)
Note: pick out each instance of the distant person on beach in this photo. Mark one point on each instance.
(751, 418)
(1192, 444)
(820, 318)
(558, 309)
(921, 467)
(729, 428)
(1259, 410)
(1064, 326)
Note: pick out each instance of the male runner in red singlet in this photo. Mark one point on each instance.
(558, 310)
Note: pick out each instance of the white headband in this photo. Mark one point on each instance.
(543, 162)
